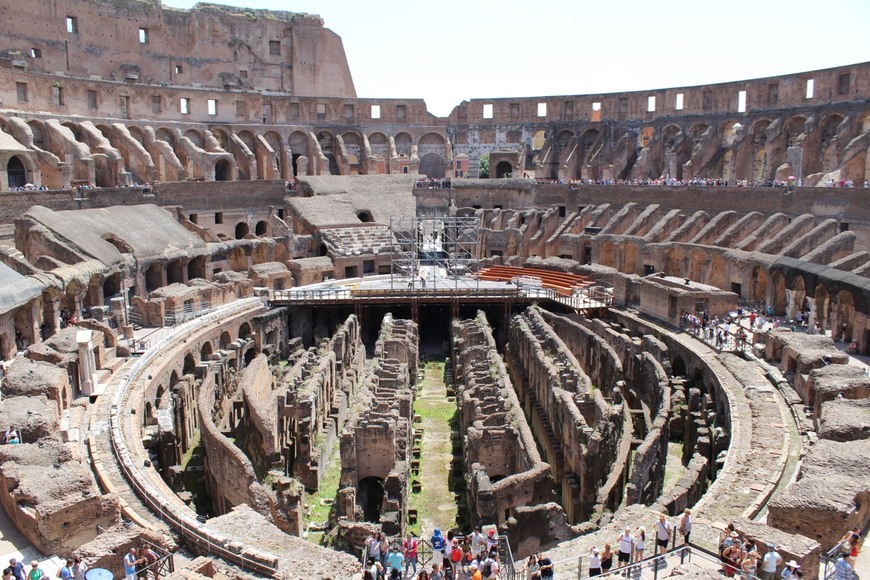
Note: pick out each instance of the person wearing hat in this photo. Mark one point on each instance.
(792, 571)
(475, 573)
(491, 541)
(595, 563)
(437, 541)
(769, 564)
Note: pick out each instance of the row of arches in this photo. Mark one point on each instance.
(760, 149)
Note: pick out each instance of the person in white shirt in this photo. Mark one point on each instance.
(626, 547)
(664, 528)
(686, 524)
(594, 563)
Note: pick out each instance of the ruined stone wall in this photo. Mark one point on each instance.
(650, 458)
(318, 391)
(500, 454)
(260, 422)
(144, 42)
(559, 396)
(830, 496)
(377, 441)
(229, 474)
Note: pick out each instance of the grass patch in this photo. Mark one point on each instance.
(438, 415)
(674, 468)
(316, 511)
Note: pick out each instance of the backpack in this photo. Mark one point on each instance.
(456, 555)
(487, 568)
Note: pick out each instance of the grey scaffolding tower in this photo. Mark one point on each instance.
(432, 252)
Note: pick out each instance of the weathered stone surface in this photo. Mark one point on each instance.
(845, 419)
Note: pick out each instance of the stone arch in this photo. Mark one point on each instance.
(370, 497)
(843, 314)
(238, 260)
(221, 136)
(196, 268)
(698, 129)
(245, 331)
(794, 128)
(353, 146)
(697, 261)
(248, 138)
(275, 143)
(225, 340)
(563, 138)
(76, 130)
(16, 173)
(758, 284)
(403, 144)
(223, 170)
(432, 165)
(167, 135)
(669, 135)
(822, 306)
(298, 143)
(328, 147)
(262, 228)
(777, 295)
(761, 166)
(195, 137)
(111, 286)
(175, 272)
(380, 148)
(646, 136)
(504, 169)
(674, 261)
(205, 351)
(828, 158)
(38, 134)
(606, 253)
(260, 254)
(629, 258)
(797, 296)
(431, 139)
(188, 368)
(716, 271)
(153, 277)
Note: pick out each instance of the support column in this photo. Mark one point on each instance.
(87, 363)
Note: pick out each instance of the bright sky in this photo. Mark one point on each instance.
(447, 51)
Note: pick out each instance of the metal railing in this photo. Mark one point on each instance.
(183, 520)
(578, 300)
(650, 568)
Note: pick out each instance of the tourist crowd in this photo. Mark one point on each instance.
(473, 556)
(433, 183)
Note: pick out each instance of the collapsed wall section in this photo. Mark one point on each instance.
(508, 483)
(579, 430)
(377, 441)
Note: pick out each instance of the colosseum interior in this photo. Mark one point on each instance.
(243, 355)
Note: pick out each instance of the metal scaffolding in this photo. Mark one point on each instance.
(433, 251)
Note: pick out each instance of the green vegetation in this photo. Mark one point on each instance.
(483, 167)
(319, 511)
(436, 502)
(674, 469)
